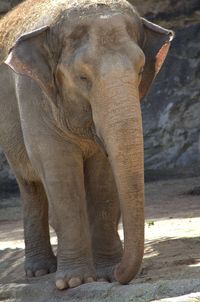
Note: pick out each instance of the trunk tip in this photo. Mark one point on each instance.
(123, 274)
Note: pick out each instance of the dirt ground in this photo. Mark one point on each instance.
(171, 266)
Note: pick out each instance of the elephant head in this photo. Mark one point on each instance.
(94, 65)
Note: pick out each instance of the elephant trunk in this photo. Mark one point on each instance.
(118, 122)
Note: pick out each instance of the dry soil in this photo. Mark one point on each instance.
(171, 266)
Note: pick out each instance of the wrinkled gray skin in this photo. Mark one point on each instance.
(70, 126)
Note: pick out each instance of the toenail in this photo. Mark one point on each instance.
(89, 280)
(74, 282)
(61, 284)
(102, 280)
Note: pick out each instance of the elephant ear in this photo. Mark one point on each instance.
(30, 56)
(155, 47)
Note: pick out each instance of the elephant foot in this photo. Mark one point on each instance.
(106, 264)
(72, 276)
(105, 272)
(39, 265)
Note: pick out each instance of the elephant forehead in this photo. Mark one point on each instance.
(115, 29)
(114, 19)
(107, 27)
(104, 23)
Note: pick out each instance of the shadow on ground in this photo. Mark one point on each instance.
(171, 266)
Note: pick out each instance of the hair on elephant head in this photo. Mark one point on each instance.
(94, 61)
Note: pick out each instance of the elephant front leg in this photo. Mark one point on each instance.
(104, 214)
(39, 258)
(64, 183)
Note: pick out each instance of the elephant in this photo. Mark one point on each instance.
(72, 76)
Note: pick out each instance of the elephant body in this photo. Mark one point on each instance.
(71, 78)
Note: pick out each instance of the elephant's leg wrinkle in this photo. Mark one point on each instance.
(104, 213)
(64, 183)
(40, 259)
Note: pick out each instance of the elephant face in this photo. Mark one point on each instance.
(94, 66)
(69, 60)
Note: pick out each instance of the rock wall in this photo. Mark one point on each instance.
(170, 13)
(171, 111)
(6, 5)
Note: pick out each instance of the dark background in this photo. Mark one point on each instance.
(171, 111)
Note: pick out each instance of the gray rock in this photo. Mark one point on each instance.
(6, 5)
(171, 110)
(43, 290)
(5, 172)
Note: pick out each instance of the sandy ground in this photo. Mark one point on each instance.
(171, 266)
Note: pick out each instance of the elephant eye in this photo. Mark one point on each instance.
(85, 81)
(83, 78)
